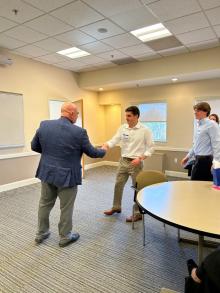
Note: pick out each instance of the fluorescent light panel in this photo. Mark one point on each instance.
(73, 53)
(152, 32)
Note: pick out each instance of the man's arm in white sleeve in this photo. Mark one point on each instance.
(149, 143)
(115, 139)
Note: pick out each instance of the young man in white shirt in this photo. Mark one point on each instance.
(136, 145)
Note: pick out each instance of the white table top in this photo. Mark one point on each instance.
(189, 205)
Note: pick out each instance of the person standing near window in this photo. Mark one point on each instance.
(206, 144)
(136, 145)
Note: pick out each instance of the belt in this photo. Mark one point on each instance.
(128, 159)
(200, 157)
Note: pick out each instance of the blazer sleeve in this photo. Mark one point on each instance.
(35, 143)
(88, 148)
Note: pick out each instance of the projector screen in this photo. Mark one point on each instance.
(11, 120)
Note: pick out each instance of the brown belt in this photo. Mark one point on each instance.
(127, 159)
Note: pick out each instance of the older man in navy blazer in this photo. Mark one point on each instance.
(61, 144)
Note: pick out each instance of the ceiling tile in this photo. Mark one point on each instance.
(52, 58)
(77, 14)
(52, 45)
(25, 34)
(213, 15)
(134, 19)
(197, 36)
(113, 55)
(207, 4)
(91, 59)
(6, 24)
(71, 62)
(112, 7)
(75, 38)
(173, 51)
(120, 41)
(170, 9)
(31, 50)
(25, 11)
(137, 50)
(10, 43)
(148, 57)
(48, 25)
(112, 29)
(96, 47)
(203, 45)
(187, 23)
(47, 5)
(217, 30)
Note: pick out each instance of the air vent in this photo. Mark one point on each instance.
(124, 61)
(163, 44)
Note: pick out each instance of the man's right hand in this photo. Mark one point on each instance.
(105, 147)
(184, 160)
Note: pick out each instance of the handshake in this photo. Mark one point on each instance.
(105, 147)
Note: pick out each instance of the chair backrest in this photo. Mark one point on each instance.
(145, 178)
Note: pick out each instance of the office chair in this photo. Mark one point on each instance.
(143, 179)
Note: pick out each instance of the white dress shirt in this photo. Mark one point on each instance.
(206, 139)
(134, 142)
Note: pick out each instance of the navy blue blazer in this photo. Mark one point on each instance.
(61, 145)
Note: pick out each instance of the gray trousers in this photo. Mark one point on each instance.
(49, 194)
(125, 169)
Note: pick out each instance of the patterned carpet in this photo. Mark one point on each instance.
(108, 258)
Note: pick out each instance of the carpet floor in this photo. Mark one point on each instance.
(109, 256)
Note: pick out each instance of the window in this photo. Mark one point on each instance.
(154, 116)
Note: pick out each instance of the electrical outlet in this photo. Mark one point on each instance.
(175, 160)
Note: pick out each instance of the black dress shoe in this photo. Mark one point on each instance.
(191, 265)
(72, 237)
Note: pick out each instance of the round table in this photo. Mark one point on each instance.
(189, 205)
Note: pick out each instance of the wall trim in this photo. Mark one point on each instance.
(17, 184)
(18, 155)
(30, 181)
(177, 174)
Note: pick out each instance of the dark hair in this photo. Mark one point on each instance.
(216, 117)
(134, 110)
(203, 106)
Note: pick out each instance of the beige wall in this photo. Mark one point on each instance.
(180, 98)
(40, 82)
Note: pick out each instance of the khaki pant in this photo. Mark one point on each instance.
(49, 194)
(125, 170)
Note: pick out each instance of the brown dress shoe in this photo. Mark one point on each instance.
(112, 211)
(134, 218)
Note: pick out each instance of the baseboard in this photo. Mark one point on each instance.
(18, 184)
(176, 174)
(100, 164)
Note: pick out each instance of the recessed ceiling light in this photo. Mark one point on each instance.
(101, 89)
(152, 32)
(73, 53)
(174, 79)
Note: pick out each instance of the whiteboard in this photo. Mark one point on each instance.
(11, 120)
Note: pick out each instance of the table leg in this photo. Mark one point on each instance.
(200, 248)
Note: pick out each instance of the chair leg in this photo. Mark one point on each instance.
(143, 221)
(133, 218)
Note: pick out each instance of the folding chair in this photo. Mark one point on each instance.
(143, 179)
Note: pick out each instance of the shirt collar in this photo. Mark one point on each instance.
(138, 125)
(203, 121)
